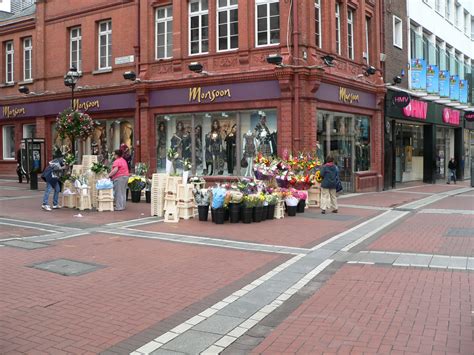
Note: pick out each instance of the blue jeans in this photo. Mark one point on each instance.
(452, 175)
(55, 196)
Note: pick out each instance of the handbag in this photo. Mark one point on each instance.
(244, 163)
(338, 185)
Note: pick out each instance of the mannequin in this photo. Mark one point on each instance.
(216, 148)
(176, 143)
(126, 131)
(208, 170)
(250, 144)
(161, 146)
(186, 145)
(198, 144)
(230, 149)
(264, 136)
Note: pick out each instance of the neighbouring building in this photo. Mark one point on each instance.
(436, 40)
(231, 105)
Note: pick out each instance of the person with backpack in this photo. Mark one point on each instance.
(329, 186)
(52, 176)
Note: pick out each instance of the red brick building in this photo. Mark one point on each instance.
(238, 105)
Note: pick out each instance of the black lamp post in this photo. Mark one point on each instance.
(70, 80)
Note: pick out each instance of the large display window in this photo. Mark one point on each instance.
(216, 143)
(468, 152)
(408, 152)
(346, 138)
(444, 150)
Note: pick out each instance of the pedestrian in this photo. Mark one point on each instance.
(452, 165)
(119, 176)
(52, 176)
(330, 175)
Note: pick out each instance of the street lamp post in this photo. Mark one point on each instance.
(70, 80)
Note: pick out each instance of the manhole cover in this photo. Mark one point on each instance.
(460, 232)
(23, 244)
(67, 267)
(329, 216)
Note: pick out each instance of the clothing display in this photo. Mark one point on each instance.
(186, 146)
(231, 151)
(264, 138)
(249, 145)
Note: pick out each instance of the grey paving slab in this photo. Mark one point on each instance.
(343, 256)
(403, 260)
(330, 216)
(162, 351)
(440, 261)
(192, 342)
(458, 262)
(260, 297)
(241, 309)
(470, 263)
(321, 253)
(23, 244)
(67, 267)
(460, 232)
(378, 258)
(418, 260)
(218, 324)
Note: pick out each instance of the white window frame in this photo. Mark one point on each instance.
(168, 24)
(267, 3)
(338, 28)
(317, 22)
(28, 51)
(447, 9)
(397, 21)
(75, 35)
(9, 62)
(227, 8)
(108, 43)
(457, 17)
(367, 36)
(200, 13)
(467, 22)
(438, 6)
(350, 33)
(4, 139)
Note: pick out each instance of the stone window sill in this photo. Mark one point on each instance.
(101, 71)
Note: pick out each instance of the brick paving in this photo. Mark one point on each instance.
(142, 283)
(426, 233)
(454, 203)
(384, 199)
(377, 310)
(7, 232)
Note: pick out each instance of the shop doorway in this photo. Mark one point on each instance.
(408, 152)
(444, 151)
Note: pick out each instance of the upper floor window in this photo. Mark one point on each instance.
(198, 26)
(448, 9)
(227, 25)
(268, 22)
(438, 5)
(27, 59)
(457, 15)
(9, 60)
(105, 45)
(397, 32)
(367, 40)
(75, 48)
(338, 28)
(317, 22)
(164, 32)
(467, 22)
(350, 33)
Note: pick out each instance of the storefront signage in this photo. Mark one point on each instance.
(401, 99)
(444, 83)
(418, 74)
(469, 116)
(124, 60)
(196, 94)
(12, 112)
(416, 109)
(85, 105)
(463, 90)
(451, 116)
(432, 79)
(454, 87)
(347, 97)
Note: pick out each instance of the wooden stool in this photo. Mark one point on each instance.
(105, 205)
(68, 201)
(84, 202)
(280, 210)
(171, 215)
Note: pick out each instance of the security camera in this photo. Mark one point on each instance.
(275, 59)
(130, 75)
(24, 89)
(195, 67)
(397, 80)
(370, 70)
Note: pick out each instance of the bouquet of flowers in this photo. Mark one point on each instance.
(172, 154)
(202, 197)
(218, 197)
(141, 169)
(187, 165)
(271, 199)
(69, 159)
(264, 168)
(136, 183)
(99, 168)
(74, 124)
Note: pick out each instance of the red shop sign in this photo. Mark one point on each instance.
(451, 116)
(469, 116)
(416, 109)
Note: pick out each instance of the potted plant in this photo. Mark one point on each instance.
(73, 124)
(302, 197)
(218, 196)
(258, 209)
(136, 184)
(235, 199)
(202, 198)
(247, 209)
(272, 200)
(291, 203)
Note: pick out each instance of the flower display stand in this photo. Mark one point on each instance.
(280, 210)
(83, 201)
(88, 160)
(171, 215)
(69, 201)
(158, 186)
(314, 195)
(76, 170)
(105, 200)
(185, 204)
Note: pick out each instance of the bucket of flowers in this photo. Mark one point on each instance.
(202, 198)
(271, 200)
(264, 168)
(302, 197)
(233, 201)
(171, 156)
(291, 201)
(136, 184)
(249, 203)
(187, 166)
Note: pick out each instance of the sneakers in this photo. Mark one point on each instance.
(57, 207)
(46, 207)
(323, 211)
(335, 211)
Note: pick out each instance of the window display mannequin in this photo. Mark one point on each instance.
(126, 132)
(265, 139)
(214, 150)
(198, 144)
(161, 146)
(186, 145)
(230, 148)
(176, 143)
(250, 148)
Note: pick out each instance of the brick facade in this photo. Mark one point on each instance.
(299, 78)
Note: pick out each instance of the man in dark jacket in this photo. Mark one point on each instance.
(52, 175)
(330, 175)
(452, 165)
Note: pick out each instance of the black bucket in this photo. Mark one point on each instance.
(234, 209)
(219, 215)
(247, 214)
(300, 207)
(271, 212)
(203, 212)
(257, 214)
(291, 210)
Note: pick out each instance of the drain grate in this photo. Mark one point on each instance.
(67, 267)
(23, 244)
(460, 232)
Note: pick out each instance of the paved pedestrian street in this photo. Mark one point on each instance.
(391, 273)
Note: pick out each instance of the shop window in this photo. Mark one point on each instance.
(268, 22)
(317, 22)
(408, 152)
(164, 32)
(8, 136)
(105, 45)
(347, 139)
(217, 143)
(27, 59)
(29, 131)
(198, 27)
(75, 48)
(107, 136)
(227, 25)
